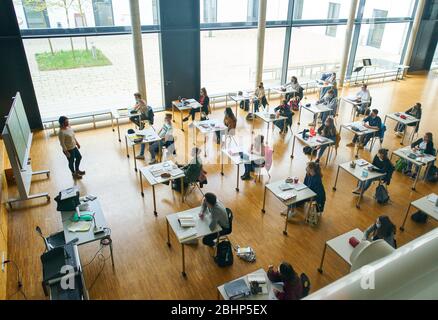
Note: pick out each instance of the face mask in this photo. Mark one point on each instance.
(378, 225)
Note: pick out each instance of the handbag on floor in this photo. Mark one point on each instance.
(382, 196)
(312, 218)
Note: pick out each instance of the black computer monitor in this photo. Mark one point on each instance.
(366, 62)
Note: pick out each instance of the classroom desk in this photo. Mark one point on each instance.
(356, 172)
(221, 294)
(352, 100)
(301, 195)
(421, 161)
(154, 179)
(206, 127)
(123, 113)
(238, 98)
(408, 121)
(315, 108)
(233, 155)
(192, 104)
(88, 236)
(268, 118)
(150, 136)
(341, 246)
(283, 91)
(313, 142)
(359, 124)
(426, 205)
(202, 230)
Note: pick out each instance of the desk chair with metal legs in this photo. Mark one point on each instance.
(53, 241)
(224, 236)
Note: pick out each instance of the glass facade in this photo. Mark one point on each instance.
(305, 44)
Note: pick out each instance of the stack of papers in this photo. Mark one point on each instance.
(287, 195)
(186, 220)
(69, 193)
(286, 186)
(432, 198)
(361, 162)
(80, 226)
(234, 151)
(299, 186)
(257, 277)
(176, 172)
(187, 234)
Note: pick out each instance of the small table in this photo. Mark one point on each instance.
(238, 98)
(426, 205)
(356, 172)
(315, 108)
(181, 107)
(123, 113)
(300, 195)
(149, 136)
(421, 160)
(88, 236)
(406, 122)
(205, 127)
(268, 117)
(341, 246)
(352, 100)
(363, 131)
(234, 156)
(152, 174)
(202, 229)
(263, 296)
(313, 142)
(283, 91)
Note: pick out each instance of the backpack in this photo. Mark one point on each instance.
(224, 254)
(400, 165)
(250, 116)
(312, 218)
(308, 150)
(432, 174)
(382, 196)
(419, 217)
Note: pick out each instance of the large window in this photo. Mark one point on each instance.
(35, 14)
(317, 9)
(312, 51)
(110, 85)
(394, 8)
(386, 48)
(333, 13)
(103, 12)
(376, 31)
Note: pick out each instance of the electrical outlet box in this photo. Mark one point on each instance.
(3, 261)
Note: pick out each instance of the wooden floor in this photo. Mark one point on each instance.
(147, 269)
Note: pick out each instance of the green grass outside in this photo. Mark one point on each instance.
(66, 60)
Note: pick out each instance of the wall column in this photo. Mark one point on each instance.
(347, 43)
(260, 41)
(414, 33)
(138, 47)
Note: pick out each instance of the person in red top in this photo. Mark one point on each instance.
(292, 286)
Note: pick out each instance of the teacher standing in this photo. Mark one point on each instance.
(70, 147)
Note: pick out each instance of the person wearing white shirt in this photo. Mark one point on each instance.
(364, 97)
(167, 140)
(70, 147)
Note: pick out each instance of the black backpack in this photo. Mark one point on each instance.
(224, 254)
(382, 196)
(432, 174)
(419, 217)
(308, 150)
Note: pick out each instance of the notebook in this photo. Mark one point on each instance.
(361, 162)
(287, 195)
(286, 186)
(187, 234)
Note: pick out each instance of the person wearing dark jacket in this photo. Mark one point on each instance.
(292, 286)
(423, 145)
(373, 121)
(204, 100)
(381, 164)
(415, 111)
(327, 130)
(284, 111)
(146, 112)
(313, 180)
(384, 229)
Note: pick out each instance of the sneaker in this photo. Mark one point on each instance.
(153, 161)
(356, 191)
(185, 119)
(82, 173)
(140, 157)
(351, 144)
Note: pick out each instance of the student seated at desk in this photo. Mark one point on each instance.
(383, 165)
(292, 286)
(415, 111)
(423, 145)
(327, 130)
(193, 171)
(328, 78)
(146, 112)
(284, 111)
(364, 97)
(230, 122)
(384, 229)
(331, 102)
(167, 140)
(294, 86)
(257, 148)
(373, 121)
(219, 216)
(204, 100)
